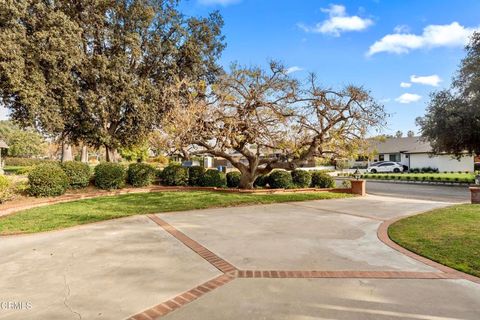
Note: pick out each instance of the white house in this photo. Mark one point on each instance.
(415, 153)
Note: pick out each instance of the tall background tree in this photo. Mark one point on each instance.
(452, 121)
(260, 120)
(22, 142)
(93, 72)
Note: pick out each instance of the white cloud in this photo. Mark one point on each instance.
(218, 2)
(432, 80)
(338, 22)
(405, 84)
(408, 98)
(293, 69)
(448, 35)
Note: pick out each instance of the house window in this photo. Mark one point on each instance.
(394, 157)
(381, 157)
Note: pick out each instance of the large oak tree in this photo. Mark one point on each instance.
(262, 120)
(95, 71)
(452, 121)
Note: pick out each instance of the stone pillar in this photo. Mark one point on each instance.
(475, 194)
(358, 187)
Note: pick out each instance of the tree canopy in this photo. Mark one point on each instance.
(452, 121)
(22, 142)
(260, 120)
(94, 71)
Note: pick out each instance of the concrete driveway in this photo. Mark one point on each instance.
(307, 260)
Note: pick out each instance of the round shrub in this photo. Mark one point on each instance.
(194, 174)
(321, 179)
(280, 179)
(6, 190)
(140, 174)
(261, 181)
(78, 174)
(174, 175)
(109, 176)
(46, 180)
(233, 179)
(213, 178)
(301, 178)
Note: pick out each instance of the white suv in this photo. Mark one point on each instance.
(385, 167)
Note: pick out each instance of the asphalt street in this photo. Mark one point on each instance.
(421, 192)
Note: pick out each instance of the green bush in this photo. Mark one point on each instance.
(6, 190)
(109, 176)
(194, 174)
(174, 175)
(301, 178)
(213, 178)
(321, 179)
(280, 179)
(47, 180)
(261, 181)
(78, 174)
(25, 162)
(140, 174)
(233, 179)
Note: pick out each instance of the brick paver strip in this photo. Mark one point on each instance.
(345, 274)
(173, 304)
(206, 254)
(382, 234)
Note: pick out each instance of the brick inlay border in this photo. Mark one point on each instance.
(168, 306)
(203, 252)
(230, 272)
(382, 234)
(344, 274)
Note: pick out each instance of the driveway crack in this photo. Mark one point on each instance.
(67, 295)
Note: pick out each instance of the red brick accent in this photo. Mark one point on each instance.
(206, 254)
(345, 274)
(475, 194)
(182, 299)
(382, 234)
(358, 187)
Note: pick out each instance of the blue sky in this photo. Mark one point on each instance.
(375, 43)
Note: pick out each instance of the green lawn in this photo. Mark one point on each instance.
(73, 213)
(450, 236)
(440, 177)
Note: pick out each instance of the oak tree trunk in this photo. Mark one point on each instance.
(66, 152)
(84, 157)
(247, 180)
(111, 154)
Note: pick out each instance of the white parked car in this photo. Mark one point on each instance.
(385, 166)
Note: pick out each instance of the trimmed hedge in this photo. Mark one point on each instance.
(194, 175)
(109, 176)
(140, 174)
(25, 162)
(301, 178)
(213, 178)
(78, 174)
(174, 175)
(280, 180)
(261, 181)
(46, 180)
(322, 179)
(233, 179)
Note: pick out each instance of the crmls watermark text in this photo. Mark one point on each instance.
(15, 305)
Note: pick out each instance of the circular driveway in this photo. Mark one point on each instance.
(306, 260)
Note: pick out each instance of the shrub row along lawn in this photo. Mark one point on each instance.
(449, 236)
(433, 177)
(73, 213)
